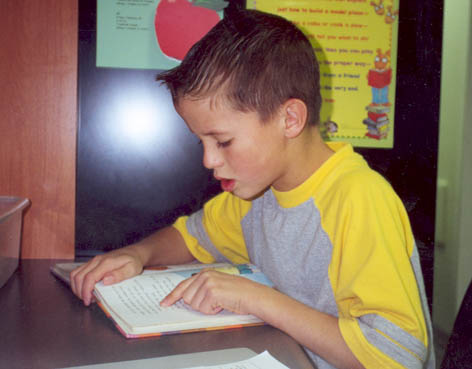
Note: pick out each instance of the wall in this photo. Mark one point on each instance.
(465, 234)
(38, 74)
(453, 254)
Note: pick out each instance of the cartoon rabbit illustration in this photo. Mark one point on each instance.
(379, 78)
(391, 15)
(378, 7)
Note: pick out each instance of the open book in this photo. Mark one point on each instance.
(134, 307)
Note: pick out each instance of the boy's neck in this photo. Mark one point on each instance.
(306, 155)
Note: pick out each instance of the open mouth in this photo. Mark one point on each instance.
(226, 184)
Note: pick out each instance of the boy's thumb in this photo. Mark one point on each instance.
(118, 275)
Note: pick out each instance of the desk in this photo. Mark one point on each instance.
(43, 325)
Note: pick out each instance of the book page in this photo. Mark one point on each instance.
(136, 301)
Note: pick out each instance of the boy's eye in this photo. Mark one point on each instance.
(224, 144)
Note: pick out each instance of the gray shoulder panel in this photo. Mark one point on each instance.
(196, 229)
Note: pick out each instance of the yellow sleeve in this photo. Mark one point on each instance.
(380, 310)
(214, 234)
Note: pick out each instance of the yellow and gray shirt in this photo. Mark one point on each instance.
(341, 243)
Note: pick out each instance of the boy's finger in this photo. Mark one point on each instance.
(89, 278)
(89, 283)
(77, 276)
(110, 268)
(177, 293)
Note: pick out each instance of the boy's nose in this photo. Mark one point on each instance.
(211, 157)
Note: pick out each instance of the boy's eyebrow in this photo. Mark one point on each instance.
(210, 133)
(213, 133)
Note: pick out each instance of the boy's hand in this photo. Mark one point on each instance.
(211, 291)
(111, 268)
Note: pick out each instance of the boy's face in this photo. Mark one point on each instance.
(245, 154)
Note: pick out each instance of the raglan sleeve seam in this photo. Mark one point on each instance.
(374, 348)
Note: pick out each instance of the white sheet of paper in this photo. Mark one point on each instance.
(262, 361)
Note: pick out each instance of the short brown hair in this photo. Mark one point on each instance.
(262, 60)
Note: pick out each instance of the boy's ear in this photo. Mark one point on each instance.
(295, 114)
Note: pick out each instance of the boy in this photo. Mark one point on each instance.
(326, 229)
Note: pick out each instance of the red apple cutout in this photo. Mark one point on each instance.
(179, 24)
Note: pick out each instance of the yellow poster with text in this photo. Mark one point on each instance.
(355, 42)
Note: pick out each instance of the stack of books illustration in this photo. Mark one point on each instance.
(377, 121)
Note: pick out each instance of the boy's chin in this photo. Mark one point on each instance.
(248, 194)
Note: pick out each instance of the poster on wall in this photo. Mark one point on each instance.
(151, 34)
(355, 42)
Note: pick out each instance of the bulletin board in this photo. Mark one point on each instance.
(151, 34)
